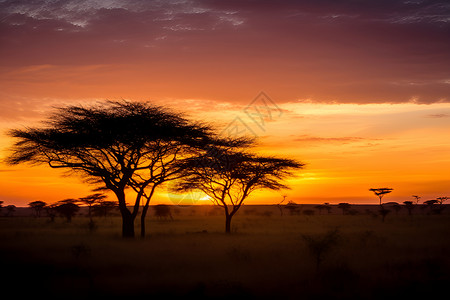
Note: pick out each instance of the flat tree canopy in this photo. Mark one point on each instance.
(229, 175)
(117, 145)
(380, 192)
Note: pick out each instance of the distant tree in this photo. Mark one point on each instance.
(345, 207)
(228, 176)
(293, 208)
(430, 205)
(118, 146)
(380, 192)
(10, 210)
(1, 206)
(67, 208)
(103, 208)
(417, 198)
(162, 211)
(430, 202)
(51, 212)
(90, 201)
(319, 207)
(441, 200)
(409, 206)
(436, 206)
(37, 207)
(327, 206)
(395, 206)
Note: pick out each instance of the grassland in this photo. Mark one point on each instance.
(266, 256)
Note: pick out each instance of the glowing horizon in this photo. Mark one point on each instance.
(357, 91)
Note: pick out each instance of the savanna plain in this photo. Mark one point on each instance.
(267, 255)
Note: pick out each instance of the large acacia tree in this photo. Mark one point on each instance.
(228, 175)
(118, 146)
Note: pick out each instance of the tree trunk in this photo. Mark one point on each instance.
(228, 223)
(127, 225)
(145, 209)
(127, 216)
(144, 213)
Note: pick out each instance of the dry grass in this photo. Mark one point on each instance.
(265, 257)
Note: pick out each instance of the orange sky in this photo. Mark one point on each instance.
(359, 90)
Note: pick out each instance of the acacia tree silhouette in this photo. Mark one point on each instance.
(118, 145)
(68, 208)
(345, 207)
(37, 207)
(417, 198)
(380, 192)
(228, 176)
(90, 201)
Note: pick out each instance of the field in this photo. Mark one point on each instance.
(267, 255)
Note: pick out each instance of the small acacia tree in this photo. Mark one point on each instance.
(67, 208)
(117, 146)
(37, 207)
(229, 176)
(380, 192)
(90, 201)
(103, 208)
(417, 198)
(345, 207)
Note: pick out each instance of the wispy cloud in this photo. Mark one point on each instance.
(330, 140)
(438, 116)
(374, 51)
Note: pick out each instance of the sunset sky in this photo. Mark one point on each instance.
(357, 90)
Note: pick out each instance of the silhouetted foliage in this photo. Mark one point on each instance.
(436, 206)
(118, 145)
(409, 206)
(441, 200)
(380, 192)
(430, 202)
(10, 210)
(319, 207)
(395, 206)
(90, 201)
(37, 207)
(345, 207)
(293, 208)
(67, 208)
(51, 212)
(417, 198)
(228, 175)
(103, 208)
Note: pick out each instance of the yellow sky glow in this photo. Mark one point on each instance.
(347, 149)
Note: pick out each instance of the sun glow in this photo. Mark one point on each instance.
(359, 117)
